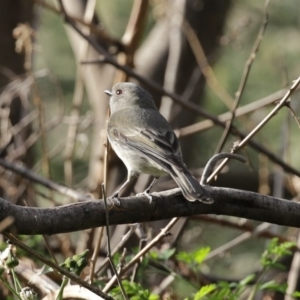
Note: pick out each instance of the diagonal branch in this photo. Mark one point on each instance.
(54, 266)
(271, 114)
(35, 178)
(240, 111)
(245, 76)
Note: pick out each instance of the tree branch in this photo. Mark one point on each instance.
(164, 205)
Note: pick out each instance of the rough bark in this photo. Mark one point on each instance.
(164, 205)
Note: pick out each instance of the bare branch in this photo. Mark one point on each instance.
(245, 76)
(245, 226)
(78, 97)
(213, 161)
(97, 30)
(19, 169)
(274, 111)
(54, 266)
(131, 37)
(162, 234)
(240, 111)
(165, 205)
(206, 69)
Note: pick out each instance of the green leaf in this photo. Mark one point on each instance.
(195, 256)
(247, 280)
(153, 255)
(184, 257)
(134, 291)
(224, 284)
(296, 294)
(223, 293)
(204, 291)
(201, 254)
(274, 286)
(163, 255)
(76, 263)
(275, 251)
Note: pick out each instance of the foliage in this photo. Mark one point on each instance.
(76, 263)
(193, 257)
(221, 290)
(134, 291)
(233, 291)
(274, 251)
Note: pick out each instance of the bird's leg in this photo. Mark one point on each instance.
(147, 190)
(117, 192)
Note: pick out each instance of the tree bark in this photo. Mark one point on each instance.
(164, 205)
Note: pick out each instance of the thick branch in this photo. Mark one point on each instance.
(165, 205)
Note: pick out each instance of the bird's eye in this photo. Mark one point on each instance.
(119, 92)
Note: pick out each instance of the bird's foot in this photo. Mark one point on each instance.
(146, 193)
(115, 194)
(115, 199)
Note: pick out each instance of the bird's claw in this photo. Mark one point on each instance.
(146, 193)
(115, 200)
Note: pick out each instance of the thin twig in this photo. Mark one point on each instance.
(297, 120)
(106, 157)
(117, 248)
(212, 162)
(274, 111)
(152, 243)
(175, 52)
(34, 136)
(98, 235)
(131, 37)
(293, 274)
(24, 35)
(240, 111)
(97, 30)
(203, 64)
(54, 266)
(8, 221)
(47, 244)
(244, 79)
(42, 132)
(24, 122)
(108, 245)
(78, 95)
(245, 226)
(121, 263)
(238, 240)
(136, 266)
(49, 249)
(21, 170)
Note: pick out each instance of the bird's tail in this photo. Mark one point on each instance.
(190, 187)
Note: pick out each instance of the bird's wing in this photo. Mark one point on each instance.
(161, 148)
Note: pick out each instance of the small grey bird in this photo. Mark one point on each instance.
(145, 142)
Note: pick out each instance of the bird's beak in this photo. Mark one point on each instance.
(107, 92)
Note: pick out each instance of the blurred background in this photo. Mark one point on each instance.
(54, 110)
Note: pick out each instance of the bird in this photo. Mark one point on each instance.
(146, 143)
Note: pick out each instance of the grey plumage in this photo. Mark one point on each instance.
(145, 141)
